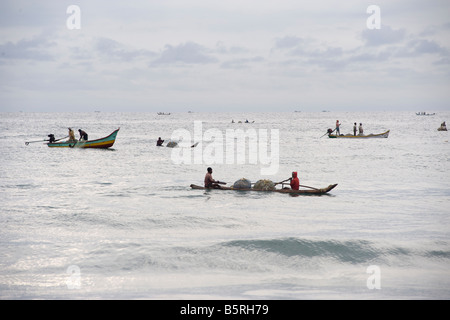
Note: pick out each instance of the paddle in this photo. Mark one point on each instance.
(281, 182)
(62, 138)
(28, 142)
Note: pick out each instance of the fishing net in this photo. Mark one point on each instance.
(265, 185)
(242, 184)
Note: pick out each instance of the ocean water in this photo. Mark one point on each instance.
(123, 223)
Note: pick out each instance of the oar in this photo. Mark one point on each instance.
(61, 138)
(28, 142)
(282, 181)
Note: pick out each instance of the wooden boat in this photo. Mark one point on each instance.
(312, 191)
(379, 135)
(102, 143)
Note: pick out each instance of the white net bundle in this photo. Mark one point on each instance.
(264, 184)
(242, 184)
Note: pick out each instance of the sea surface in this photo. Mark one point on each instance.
(123, 223)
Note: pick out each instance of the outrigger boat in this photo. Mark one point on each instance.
(311, 191)
(362, 136)
(101, 143)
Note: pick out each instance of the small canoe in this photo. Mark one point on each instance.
(312, 191)
(102, 143)
(362, 136)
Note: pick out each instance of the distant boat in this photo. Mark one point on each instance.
(102, 143)
(379, 135)
(163, 114)
(425, 114)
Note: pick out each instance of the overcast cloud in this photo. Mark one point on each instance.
(211, 55)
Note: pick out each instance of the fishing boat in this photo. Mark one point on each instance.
(425, 114)
(310, 191)
(101, 143)
(361, 136)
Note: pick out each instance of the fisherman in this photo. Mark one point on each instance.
(361, 131)
(83, 135)
(209, 181)
(51, 138)
(295, 183)
(71, 135)
(159, 142)
(354, 129)
(338, 133)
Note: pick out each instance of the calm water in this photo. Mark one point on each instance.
(124, 224)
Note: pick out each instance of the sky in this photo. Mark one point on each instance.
(226, 56)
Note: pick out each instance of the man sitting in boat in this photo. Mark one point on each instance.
(443, 127)
(159, 142)
(83, 135)
(209, 181)
(295, 183)
(51, 138)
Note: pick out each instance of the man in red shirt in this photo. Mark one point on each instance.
(295, 183)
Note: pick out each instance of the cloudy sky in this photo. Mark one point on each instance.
(247, 55)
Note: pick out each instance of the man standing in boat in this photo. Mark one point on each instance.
(338, 133)
(159, 142)
(83, 135)
(354, 129)
(295, 183)
(361, 131)
(209, 181)
(71, 135)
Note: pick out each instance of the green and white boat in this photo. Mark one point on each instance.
(101, 143)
